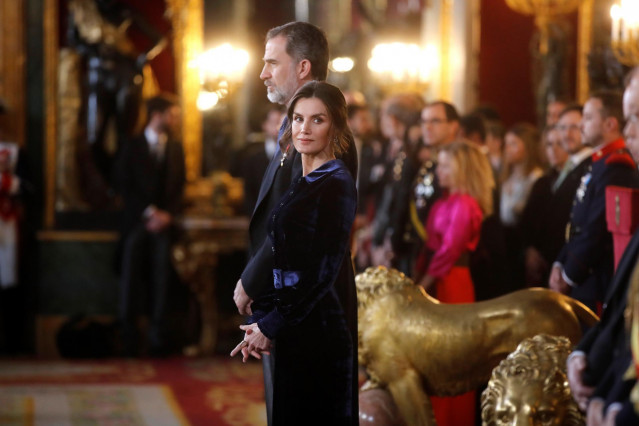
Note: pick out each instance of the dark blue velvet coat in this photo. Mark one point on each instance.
(309, 230)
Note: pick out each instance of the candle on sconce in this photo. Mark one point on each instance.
(615, 15)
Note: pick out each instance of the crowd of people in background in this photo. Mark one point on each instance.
(472, 209)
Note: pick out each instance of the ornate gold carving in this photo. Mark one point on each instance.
(531, 387)
(446, 19)
(188, 26)
(584, 44)
(51, 46)
(12, 72)
(89, 236)
(416, 347)
(195, 257)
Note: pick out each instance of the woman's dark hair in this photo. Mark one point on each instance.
(335, 104)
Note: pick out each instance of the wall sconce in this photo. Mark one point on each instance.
(221, 69)
(624, 37)
(403, 66)
(341, 64)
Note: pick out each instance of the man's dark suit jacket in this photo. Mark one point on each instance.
(143, 182)
(606, 345)
(254, 165)
(561, 203)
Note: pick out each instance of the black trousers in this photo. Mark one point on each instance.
(268, 367)
(146, 258)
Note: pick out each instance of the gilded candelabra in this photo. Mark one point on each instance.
(403, 67)
(544, 11)
(624, 36)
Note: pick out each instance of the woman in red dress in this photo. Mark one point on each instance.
(452, 229)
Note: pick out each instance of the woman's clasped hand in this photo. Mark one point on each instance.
(255, 343)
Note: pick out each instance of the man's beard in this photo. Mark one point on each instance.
(276, 96)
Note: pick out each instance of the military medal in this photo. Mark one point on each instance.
(424, 188)
(583, 186)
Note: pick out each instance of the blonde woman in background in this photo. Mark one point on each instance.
(453, 228)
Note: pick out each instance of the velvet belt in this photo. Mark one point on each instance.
(285, 278)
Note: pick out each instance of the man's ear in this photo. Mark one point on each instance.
(304, 70)
(611, 124)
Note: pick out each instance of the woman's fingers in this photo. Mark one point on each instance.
(239, 346)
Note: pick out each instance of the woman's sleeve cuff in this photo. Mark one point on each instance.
(271, 324)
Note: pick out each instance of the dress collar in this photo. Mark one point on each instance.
(325, 169)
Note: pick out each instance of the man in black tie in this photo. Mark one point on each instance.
(150, 175)
(295, 53)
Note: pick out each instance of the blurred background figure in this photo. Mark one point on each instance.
(151, 178)
(14, 189)
(453, 229)
(553, 110)
(370, 152)
(253, 158)
(472, 127)
(392, 242)
(522, 167)
(541, 228)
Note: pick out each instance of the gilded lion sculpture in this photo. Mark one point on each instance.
(415, 347)
(531, 387)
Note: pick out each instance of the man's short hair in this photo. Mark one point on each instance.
(353, 109)
(488, 112)
(572, 108)
(160, 103)
(449, 109)
(405, 107)
(495, 128)
(473, 123)
(305, 41)
(611, 105)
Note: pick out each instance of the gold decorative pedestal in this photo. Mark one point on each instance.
(195, 257)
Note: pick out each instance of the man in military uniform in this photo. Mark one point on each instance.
(439, 125)
(584, 266)
(597, 367)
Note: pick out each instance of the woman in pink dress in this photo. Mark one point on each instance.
(452, 229)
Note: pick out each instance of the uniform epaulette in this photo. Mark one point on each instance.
(621, 157)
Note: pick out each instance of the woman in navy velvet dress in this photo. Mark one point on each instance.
(309, 229)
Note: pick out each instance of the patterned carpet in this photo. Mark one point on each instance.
(215, 391)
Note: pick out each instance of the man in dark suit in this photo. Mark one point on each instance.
(255, 156)
(562, 190)
(151, 177)
(598, 364)
(584, 266)
(295, 53)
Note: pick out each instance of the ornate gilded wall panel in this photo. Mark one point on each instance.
(12, 72)
(187, 17)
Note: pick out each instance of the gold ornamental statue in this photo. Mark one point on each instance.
(530, 387)
(414, 346)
